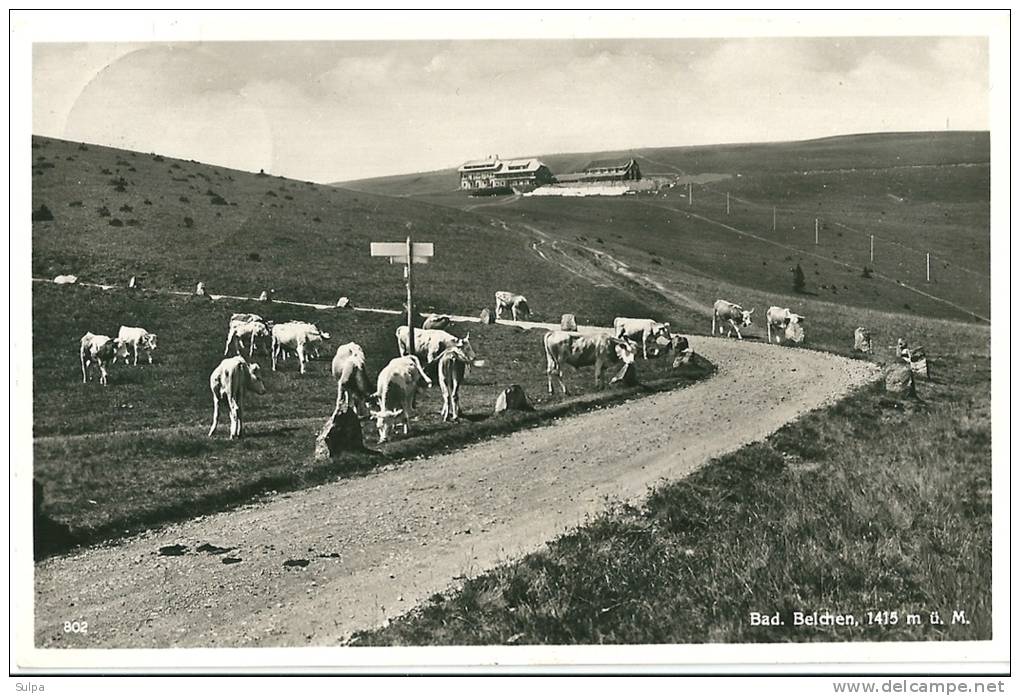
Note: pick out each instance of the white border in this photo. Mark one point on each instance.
(28, 27)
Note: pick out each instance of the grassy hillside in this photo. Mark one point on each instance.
(172, 223)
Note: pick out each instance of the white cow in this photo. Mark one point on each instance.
(430, 343)
(230, 380)
(781, 318)
(351, 377)
(452, 366)
(580, 350)
(517, 304)
(723, 311)
(297, 337)
(247, 327)
(99, 350)
(395, 391)
(136, 338)
(644, 331)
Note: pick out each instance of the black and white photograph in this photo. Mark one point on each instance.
(509, 339)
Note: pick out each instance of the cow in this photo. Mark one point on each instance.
(255, 332)
(351, 377)
(723, 311)
(781, 318)
(298, 337)
(99, 350)
(452, 364)
(430, 343)
(643, 330)
(66, 279)
(580, 350)
(230, 380)
(437, 321)
(134, 338)
(517, 304)
(395, 391)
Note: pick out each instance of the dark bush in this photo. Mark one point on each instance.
(217, 200)
(158, 158)
(83, 147)
(184, 199)
(114, 222)
(43, 214)
(75, 204)
(271, 193)
(103, 211)
(317, 219)
(188, 222)
(126, 208)
(106, 171)
(132, 222)
(289, 198)
(254, 256)
(147, 202)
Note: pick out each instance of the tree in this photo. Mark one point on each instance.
(798, 279)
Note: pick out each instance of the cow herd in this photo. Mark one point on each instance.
(395, 390)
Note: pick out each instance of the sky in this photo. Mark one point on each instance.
(336, 111)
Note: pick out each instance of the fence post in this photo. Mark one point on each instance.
(927, 267)
(727, 202)
(872, 248)
(816, 231)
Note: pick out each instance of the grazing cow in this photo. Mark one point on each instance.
(430, 343)
(100, 351)
(351, 378)
(298, 337)
(395, 391)
(134, 338)
(255, 332)
(644, 331)
(580, 350)
(517, 304)
(781, 318)
(723, 311)
(230, 380)
(452, 364)
(66, 279)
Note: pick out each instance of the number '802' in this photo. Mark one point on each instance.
(76, 627)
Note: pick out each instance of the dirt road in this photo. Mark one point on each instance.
(310, 567)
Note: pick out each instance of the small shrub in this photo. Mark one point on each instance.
(147, 202)
(43, 214)
(289, 198)
(103, 211)
(75, 204)
(184, 199)
(115, 222)
(106, 171)
(83, 147)
(271, 193)
(189, 222)
(132, 222)
(158, 158)
(217, 200)
(126, 208)
(317, 219)
(254, 256)
(657, 262)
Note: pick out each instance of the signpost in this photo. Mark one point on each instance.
(408, 253)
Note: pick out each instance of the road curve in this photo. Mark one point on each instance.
(376, 545)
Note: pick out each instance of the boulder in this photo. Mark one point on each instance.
(487, 316)
(568, 323)
(436, 321)
(512, 398)
(862, 340)
(341, 433)
(899, 380)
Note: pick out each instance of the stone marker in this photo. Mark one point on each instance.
(341, 433)
(438, 321)
(344, 302)
(899, 379)
(487, 316)
(568, 323)
(512, 398)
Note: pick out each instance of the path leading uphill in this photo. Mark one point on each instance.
(311, 567)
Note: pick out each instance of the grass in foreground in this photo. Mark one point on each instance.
(872, 505)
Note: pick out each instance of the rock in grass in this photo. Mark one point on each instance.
(512, 398)
(341, 433)
(568, 323)
(899, 380)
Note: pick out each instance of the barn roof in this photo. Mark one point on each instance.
(610, 164)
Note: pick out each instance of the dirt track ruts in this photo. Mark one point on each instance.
(378, 544)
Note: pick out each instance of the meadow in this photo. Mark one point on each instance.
(134, 454)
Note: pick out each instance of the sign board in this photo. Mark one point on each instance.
(419, 250)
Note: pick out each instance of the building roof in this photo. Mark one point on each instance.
(482, 165)
(610, 164)
(511, 167)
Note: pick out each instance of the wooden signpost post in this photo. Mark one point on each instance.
(408, 253)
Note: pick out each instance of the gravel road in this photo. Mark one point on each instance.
(311, 567)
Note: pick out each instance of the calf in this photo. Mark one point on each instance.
(781, 318)
(723, 311)
(349, 371)
(517, 304)
(135, 338)
(452, 365)
(230, 380)
(430, 343)
(247, 327)
(99, 350)
(298, 337)
(643, 330)
(580, 350)
(395, 391)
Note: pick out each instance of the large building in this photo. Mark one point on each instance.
(605, 170)
(493, 175)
